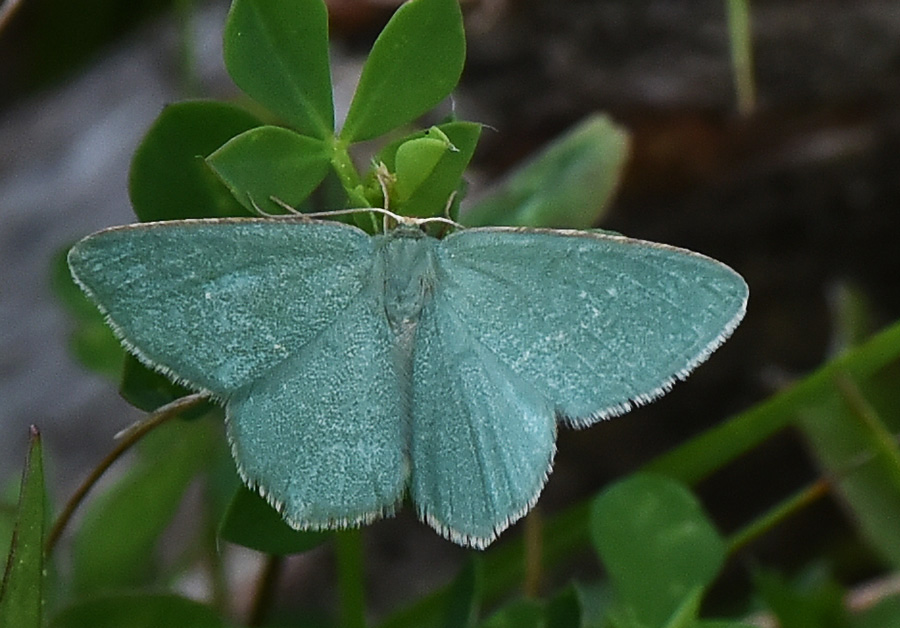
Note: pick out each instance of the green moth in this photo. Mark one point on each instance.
(357, 370)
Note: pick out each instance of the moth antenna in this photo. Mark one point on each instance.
(285, 206)
(259, 210)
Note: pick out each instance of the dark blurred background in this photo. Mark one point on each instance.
(801, 196)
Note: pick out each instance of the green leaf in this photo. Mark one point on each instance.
(92, 342)
(415, 63)
(525, 613)
(564, 610)
(885, 614)
(714, 448)
(464, 599)
(568, 185)
(138, 610)
(251, 522)
(817, 604)
(115, 546)
(277, 52)
(430, 197)
(271, 161)
(21, 588)
(169, 179)
(852, 432)
(656, 543)
(148, 390)
(416, 159)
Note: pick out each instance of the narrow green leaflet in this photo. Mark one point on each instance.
(415, 63)
(434, 191)
(21, 588)
(657, 545)
(138, 610)
(714, 448)
(169, 179)
(271, 161)
(277, 52)
(852, 432)
(115, 546)
(251, 522)
(568, 185)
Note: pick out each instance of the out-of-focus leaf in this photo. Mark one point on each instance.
(138, 610)
(656, 544)
(271, 161)
(885, 614)
(115, 546)
(92, 341)
(415, 63)
(568, 185)
(431, 196)
(852, 433)
(714, 448)
(817, 605)
(465, 596)
(169, 178)
(251, 522)
(277, 52)
(525, 613)
(148, 390)
(851, 316)
(21, 588)
(564, 610)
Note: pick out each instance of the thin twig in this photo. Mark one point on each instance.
(534, 551)
(129, 438)
(265, 590)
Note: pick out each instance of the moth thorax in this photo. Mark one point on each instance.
(408, 281)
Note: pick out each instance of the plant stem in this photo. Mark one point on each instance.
(534, 528)
(128, 438)
(347, 173)
(351, 583)
(741, 54)
(184, 13)
(265, 590)
(793, 504)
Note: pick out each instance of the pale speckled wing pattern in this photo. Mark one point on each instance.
(338, 397)
(594, 322)
(268, 316)
(323, 435)
(482, 440)
(189, 298)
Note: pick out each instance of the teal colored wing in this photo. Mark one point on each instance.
(216, 303)
(281, 320)
(595, 323)
(323, 435)
(482, 440)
